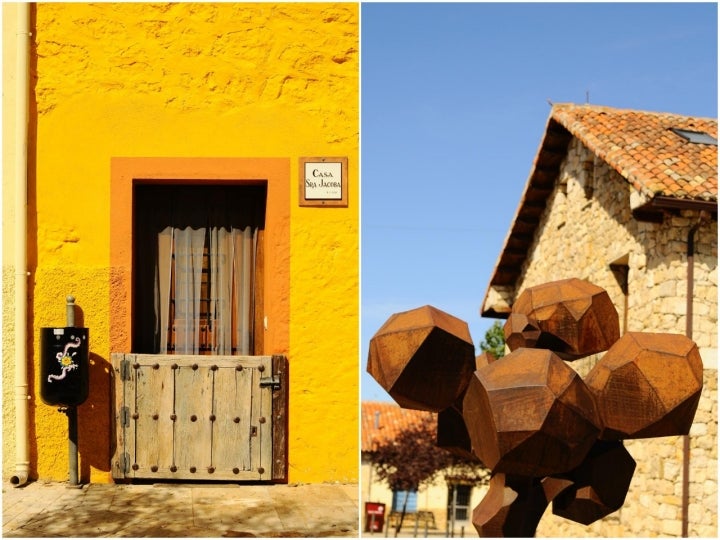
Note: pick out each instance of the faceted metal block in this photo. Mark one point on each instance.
(452, 434)
(530, 414)
(571, 317)
(519, 331)
(484, 359)
(554, 485)
(512, 507)
(647, 385)
(599, 484)
(423, 358)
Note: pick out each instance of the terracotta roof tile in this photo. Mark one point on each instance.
(642, 147)
(663, 166)
(384, 421)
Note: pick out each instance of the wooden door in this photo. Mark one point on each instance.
(191, 417)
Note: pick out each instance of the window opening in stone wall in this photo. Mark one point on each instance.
(697, 137)
(587, 176)
(198, 269)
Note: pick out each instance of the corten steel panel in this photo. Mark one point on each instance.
(423, 358)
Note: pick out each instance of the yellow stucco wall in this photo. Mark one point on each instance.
(192, 80)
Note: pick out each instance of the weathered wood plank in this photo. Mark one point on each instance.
(125, 437)
(232, 427)
(184, 360)
(279, 419)
(154, 425)
(261, 446)
(193, 407)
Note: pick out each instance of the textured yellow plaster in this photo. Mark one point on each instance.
(192, 80)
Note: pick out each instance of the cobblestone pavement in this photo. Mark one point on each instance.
(53, 509)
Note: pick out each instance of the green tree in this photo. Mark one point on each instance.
(494, 342)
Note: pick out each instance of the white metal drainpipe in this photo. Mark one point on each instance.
(22, 398)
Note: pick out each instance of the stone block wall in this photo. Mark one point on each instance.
(587, 226)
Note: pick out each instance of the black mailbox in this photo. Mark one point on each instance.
(64, 366)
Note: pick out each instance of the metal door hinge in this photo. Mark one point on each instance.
(125, 370)
(125, 416)
(124, 463)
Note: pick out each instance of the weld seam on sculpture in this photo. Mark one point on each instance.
(546, 434)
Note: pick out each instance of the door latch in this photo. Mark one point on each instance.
(273, 382)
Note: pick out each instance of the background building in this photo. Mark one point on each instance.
(431, 504)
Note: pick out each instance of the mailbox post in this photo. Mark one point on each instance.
(64, 377)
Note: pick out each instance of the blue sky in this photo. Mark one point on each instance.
(454, 101)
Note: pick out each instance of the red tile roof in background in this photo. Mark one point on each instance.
(384, 421)
(642, 147)
(670, 171)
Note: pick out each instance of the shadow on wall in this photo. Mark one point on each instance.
(95, 418)
(96, 421)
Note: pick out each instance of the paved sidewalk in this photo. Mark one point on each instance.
(180, 510)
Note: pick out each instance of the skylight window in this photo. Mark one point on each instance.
(697, 137)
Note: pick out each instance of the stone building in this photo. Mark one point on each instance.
(628, 200)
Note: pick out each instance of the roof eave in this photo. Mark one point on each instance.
(540, 183)
(654, 209)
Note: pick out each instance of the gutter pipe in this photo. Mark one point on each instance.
(689, 333)
(22, 398)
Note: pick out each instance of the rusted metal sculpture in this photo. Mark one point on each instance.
(647, 385)
(452, 434)
(598, 486)
(573, 318)
(546, 434)
(512, 506)
(423, 358)
(530, 414)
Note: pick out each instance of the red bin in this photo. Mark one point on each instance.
(374, 516)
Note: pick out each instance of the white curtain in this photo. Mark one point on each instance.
(245, 246)
(189, 244)
(231, 258)
(221, 257)
(162, 287)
